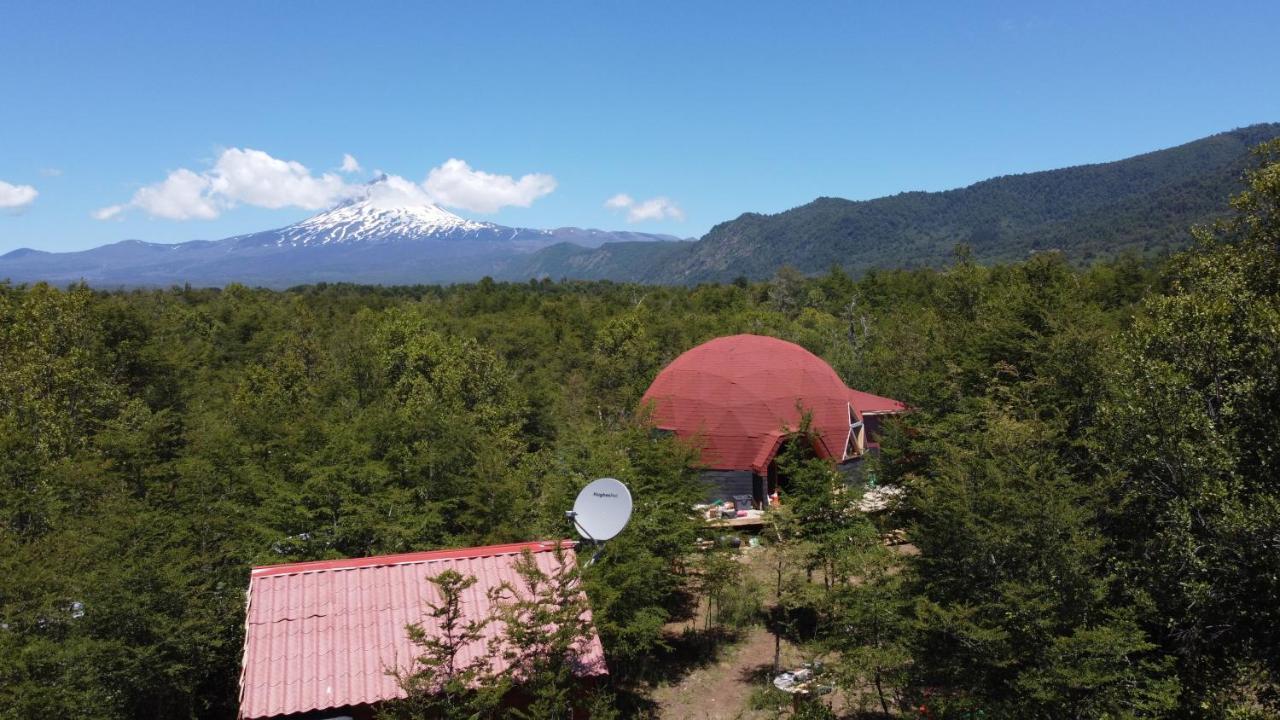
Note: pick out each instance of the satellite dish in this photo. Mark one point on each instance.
(602, 509)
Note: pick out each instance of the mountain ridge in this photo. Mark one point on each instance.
(1144, 204)
(382, 235)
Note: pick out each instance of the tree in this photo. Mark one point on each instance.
(545, 637)
(1189, 428)
(639, 579)
(456, 412)
(154, 444)
(808, 532)
(440, 685)
(623, 360)
(1016, 611)
(718, 574)
(866, 620)
(859, 602)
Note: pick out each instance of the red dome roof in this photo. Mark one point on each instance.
(737, 394)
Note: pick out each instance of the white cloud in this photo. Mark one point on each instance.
(656, 208)
(243, 176)
(457, 185)
(16, 197)
(184, 195)
(51, 172)
(659, 208)
(108, 213)
(255, 178)
(239, 176)
(393, 191)
(619, 201)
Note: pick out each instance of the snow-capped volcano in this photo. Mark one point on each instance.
(367, 220)
(390, 233)
(386, 210)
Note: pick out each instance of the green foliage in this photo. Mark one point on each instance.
(867, 623)
(540, 641)
(621, 360)
(439, 684)
(1191, 433)
(739, 605)
(1091, 491)
(858, 602)
(640, 577)
(767, 697)
(544, 634)
(1015, 606)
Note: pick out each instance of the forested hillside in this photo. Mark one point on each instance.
(1090, 469)
(1144, 205)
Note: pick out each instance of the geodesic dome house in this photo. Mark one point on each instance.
(740, 398)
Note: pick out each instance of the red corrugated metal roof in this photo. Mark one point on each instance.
(322, 635)
(736, 394)
(868, 404)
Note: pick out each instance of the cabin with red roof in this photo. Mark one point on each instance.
(321, 637)
(740, 398)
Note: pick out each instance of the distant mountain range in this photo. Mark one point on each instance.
(1144, 204)
(369, 239)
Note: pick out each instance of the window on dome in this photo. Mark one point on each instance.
(857, 439)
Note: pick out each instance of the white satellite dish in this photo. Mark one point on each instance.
(602, 509)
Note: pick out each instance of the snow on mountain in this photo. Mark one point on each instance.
(368, 221)
(385, 211)
(390, 233)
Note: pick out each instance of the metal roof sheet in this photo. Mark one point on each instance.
(322, 635)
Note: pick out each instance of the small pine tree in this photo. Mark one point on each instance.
(544, 637)
(718, 573)
(441, 686)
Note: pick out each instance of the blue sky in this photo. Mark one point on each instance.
(722, 108)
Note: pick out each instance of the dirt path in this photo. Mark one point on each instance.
(720, 691)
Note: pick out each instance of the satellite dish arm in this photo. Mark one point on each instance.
(600, 545)
(572, 515)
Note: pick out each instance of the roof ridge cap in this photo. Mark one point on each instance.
(409, 558)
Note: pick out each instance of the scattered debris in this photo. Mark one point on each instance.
(800, 682)
(878, 499)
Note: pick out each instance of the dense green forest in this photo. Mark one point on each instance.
(1090, 469)
(1144, 205)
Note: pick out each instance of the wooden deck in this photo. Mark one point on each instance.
(741, 523)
